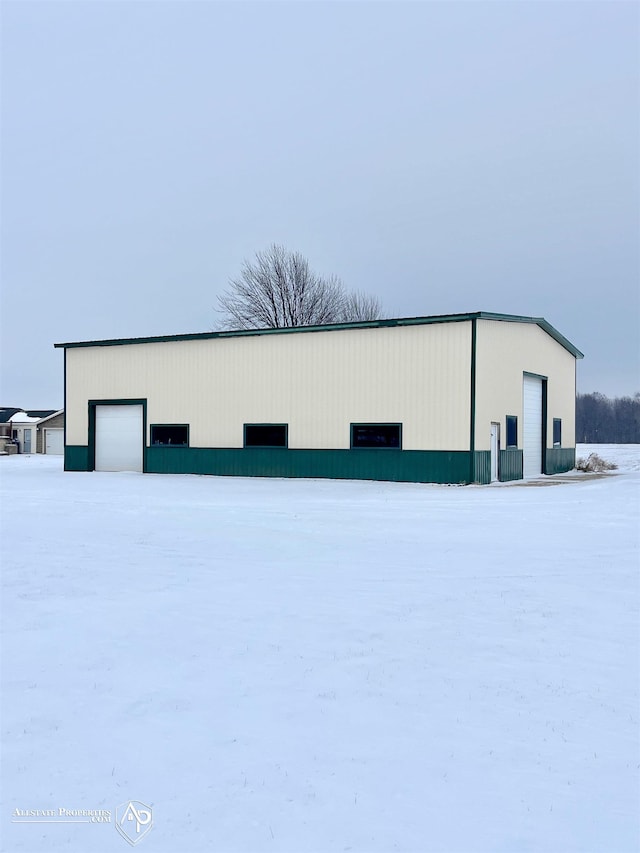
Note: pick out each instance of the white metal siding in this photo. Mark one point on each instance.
(118, 438)
(54, 442)
(504, 352)
(316, 382)
(532, 426)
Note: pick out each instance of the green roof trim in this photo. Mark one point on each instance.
(334, 327)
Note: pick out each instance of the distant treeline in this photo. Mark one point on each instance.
(600, 420)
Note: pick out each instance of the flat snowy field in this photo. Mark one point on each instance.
(299, 665)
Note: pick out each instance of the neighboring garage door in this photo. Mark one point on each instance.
(119, 438)
(54, 441)
(532, 438)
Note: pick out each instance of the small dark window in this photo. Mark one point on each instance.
(512, 431)
(170, 435)
(376, 435)
(265, 435)
(557, 432)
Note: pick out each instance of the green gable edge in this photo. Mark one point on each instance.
(335, 327)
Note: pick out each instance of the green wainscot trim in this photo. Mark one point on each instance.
(405, 466)
(559, 459)
(412, 466)
(510, 465)
(76, 457)
(482, 467)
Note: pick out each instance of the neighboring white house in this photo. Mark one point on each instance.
(460, 398)
(34, 431)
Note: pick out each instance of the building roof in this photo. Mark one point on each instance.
(334, 327)
(51, 416)
(27, 415)
(7, 412)
(22, 417)
(40, 413)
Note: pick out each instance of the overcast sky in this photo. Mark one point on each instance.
(446, 157)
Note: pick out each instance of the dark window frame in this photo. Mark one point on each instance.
(153, 443)
(557, 423)
(359, 424)
(284, 446)
(511, 427)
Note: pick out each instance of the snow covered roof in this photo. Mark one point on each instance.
(6, 413)
(23, 418)
(26, 416)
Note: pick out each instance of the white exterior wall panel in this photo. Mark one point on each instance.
(317, 382)
(504, 351)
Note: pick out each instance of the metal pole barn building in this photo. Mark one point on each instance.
(461, 398)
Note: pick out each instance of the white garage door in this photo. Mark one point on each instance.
(54, 441)
(118, 438)
(532, 438)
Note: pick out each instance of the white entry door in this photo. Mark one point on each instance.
(119, 438)
(495, 450)
(532, 432)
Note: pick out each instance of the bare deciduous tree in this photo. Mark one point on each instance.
(360, 306)
(278, 290)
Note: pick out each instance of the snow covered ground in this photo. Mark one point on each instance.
(298, 665)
